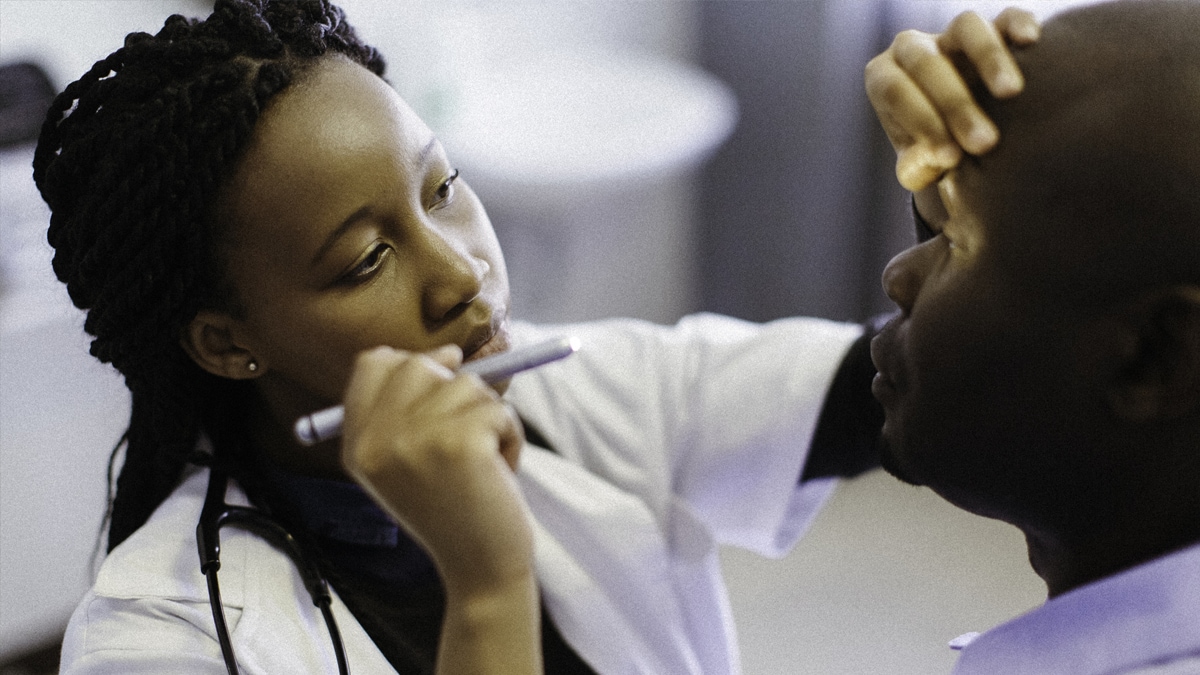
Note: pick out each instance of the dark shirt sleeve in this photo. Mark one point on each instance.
(846, 442)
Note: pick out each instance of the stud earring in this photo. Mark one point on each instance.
(252, 366)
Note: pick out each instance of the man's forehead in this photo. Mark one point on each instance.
(1091, 111)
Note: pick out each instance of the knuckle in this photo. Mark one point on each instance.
(891, 94)
(1010, 14)
(909, 42)
(873, 67)
(1006, 14)
(881, 79)
(926, 64)
(966, 20)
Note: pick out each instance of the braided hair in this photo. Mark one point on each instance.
(131, 159)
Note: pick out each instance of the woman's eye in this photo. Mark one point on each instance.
(368, 265)
(445, 191)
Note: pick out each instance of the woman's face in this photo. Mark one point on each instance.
(346, 228)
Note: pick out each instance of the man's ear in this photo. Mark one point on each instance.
(210, 339)
(1160, 374)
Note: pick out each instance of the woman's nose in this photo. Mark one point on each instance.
(904, 275)
(454, 276)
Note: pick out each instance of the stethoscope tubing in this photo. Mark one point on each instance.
(216, 514)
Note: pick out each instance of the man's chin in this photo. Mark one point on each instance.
(892, 464)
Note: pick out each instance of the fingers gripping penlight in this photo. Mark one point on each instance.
(326, 424)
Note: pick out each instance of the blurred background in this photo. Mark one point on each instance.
(641, 158)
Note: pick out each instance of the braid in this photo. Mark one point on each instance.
(130, 160)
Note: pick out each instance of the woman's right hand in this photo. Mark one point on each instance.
(436, 449)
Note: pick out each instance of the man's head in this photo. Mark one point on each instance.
(1045, 368)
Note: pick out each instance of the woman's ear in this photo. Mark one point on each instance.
(210, 339)
(1160, 374)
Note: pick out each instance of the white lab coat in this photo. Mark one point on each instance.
(667, 442)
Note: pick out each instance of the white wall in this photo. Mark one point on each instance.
(579, 126)
(68, 36)
(61, 411)
(429, 43)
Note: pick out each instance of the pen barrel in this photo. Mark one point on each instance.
(504, 365)
(326, 424)
(320, 426)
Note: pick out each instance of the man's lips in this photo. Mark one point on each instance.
(882, 386)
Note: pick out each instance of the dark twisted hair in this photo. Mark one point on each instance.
(131, 159)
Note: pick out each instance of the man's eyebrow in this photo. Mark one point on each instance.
(338, 232)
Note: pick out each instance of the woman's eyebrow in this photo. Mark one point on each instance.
(423, 155)
(341, 229)
(422, 158)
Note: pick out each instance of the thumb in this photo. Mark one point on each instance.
(449, 355)
(919, 166)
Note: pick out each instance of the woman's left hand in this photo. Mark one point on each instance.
(925, 104)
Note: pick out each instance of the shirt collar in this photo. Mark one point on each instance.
(336, 510)
(1145, 614)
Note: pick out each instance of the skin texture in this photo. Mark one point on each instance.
(1043, 369)
(363, 271)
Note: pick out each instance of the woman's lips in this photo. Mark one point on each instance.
(496, 343)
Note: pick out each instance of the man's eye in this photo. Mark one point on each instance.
(445, 191)
(368, 265)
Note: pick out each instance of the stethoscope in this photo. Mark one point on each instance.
(215, 514)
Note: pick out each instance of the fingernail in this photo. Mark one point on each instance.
(1007, 83)
(982, 137)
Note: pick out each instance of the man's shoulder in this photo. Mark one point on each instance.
(1142, 618)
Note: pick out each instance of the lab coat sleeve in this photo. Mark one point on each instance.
(712, 416)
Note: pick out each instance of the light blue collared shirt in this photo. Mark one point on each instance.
(1145, 620)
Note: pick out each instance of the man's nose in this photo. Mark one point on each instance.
(904, 275)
